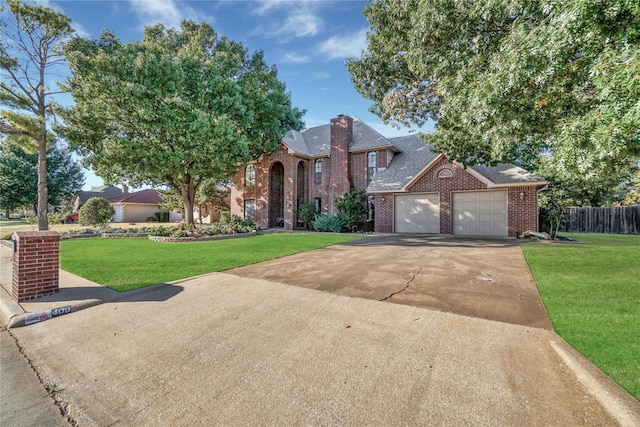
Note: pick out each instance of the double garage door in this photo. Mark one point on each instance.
(482, 213)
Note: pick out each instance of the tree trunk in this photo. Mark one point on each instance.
(43, 197)
(188, 192)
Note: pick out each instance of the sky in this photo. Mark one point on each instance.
(308, 42)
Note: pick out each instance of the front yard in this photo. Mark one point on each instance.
(125, 264)
(592, 294)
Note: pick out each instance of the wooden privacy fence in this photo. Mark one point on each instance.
(618, 220)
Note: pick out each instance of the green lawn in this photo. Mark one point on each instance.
(592, 294)
(11, 222)
(125, 264)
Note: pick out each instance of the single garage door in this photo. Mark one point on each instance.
(480, 213)
(417, 213)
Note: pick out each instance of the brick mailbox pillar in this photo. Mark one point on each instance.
(36, 260)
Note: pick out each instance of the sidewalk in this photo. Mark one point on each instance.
(75, 294)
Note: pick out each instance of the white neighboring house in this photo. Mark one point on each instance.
(139, 206)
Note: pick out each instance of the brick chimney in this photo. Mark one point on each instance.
(125, 189)
(340, 173)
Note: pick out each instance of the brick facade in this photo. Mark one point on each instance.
(343, 170)
(36, 263)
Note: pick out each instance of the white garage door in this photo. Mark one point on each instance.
(480, 213)
(417, 213)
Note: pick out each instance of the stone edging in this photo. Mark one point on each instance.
(116, 235)
(201, 238)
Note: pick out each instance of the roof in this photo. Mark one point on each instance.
(148, 196)
(103, 191)
(316, 141)
(412, 157)
(415, 155)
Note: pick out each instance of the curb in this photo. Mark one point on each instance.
(16, 317)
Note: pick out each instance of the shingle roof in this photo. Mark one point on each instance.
(316, 141)
(414, 155)
(148, 196)
(101, 191)
(505, 173)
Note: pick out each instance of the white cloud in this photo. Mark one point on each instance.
(344, 46)
(294, 58)
(166, 12)
(286, 19)
(79, 29)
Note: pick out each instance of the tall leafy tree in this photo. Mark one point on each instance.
(19, 176)
(177, 108)
(506, 80)
(31, 37)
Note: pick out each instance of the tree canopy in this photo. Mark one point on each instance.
(176, 108)
(31, 37)
(507, 80)
(19, 176)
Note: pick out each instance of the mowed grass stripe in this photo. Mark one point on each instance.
(126, 264)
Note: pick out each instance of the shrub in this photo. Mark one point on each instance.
(327, 223)
(306, 212)
(96, 211)
(56, 218)
(159, 231)
(225, 216)
(352, 208)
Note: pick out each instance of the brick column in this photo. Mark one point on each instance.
(36, 260)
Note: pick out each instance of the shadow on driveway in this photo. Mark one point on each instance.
(484, 278)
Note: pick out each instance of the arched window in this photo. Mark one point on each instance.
(250, 176)
(318, 171)
(445, 173)
(372, 163)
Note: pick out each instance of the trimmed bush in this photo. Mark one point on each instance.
(306, 212)
(96, 211)
(327, 223)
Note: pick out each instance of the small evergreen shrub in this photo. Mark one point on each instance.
(306, 212)
(96, 211)
(327, 223)
(352, 209)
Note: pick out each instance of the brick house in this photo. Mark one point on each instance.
(410, 188)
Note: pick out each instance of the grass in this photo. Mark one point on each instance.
(126, 264)
(592, 294)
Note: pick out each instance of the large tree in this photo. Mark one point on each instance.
(19, 176)
(177, 108)
(31, 37)
(507, 80)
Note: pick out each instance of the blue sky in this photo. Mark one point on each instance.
(308, 41)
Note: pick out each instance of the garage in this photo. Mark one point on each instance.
(482, 213)
(417, 213)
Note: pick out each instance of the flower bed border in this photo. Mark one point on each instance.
(200, 238)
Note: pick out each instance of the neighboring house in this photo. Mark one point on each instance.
(103, 191)
(410, 188)
(139, 206)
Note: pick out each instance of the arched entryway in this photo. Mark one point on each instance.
(276, 195)
(301, 190)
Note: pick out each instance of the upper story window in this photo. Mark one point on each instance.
(250, 176)
(372, 163)
(318, 171)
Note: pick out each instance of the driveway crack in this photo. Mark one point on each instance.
(403, 289)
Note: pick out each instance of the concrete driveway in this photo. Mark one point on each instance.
(223, 349)
(488, 279)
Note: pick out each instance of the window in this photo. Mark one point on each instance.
(318, 171)
(445, 173)
(249, 209)
(250, 176)
(317, 204)
(372, 163)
